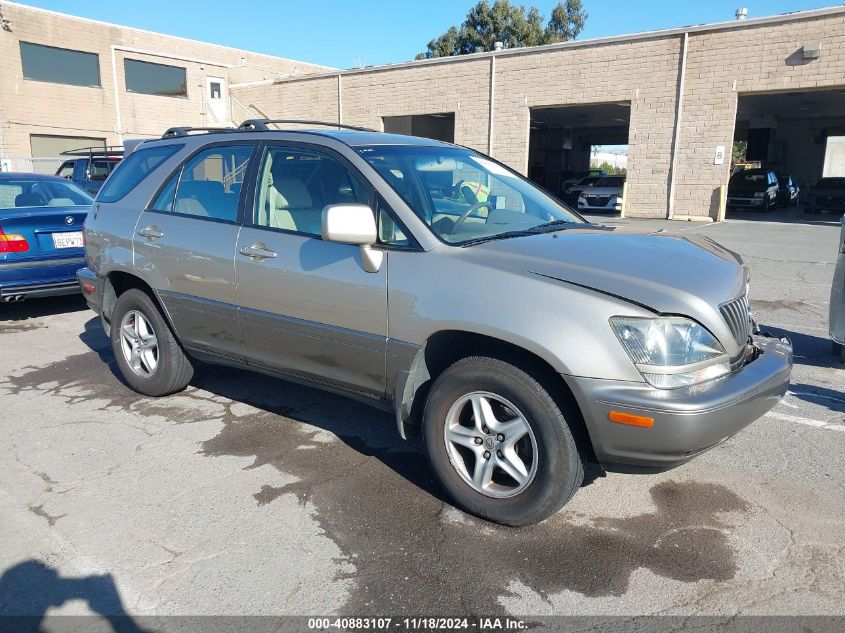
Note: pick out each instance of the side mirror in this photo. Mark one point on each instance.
(353, 224)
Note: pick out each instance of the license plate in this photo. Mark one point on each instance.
(68, 240)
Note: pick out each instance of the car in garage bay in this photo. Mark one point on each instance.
(603, 195)
(570, 193)
(826, 196)
(788, 191)
(41, 240)
(753, 189)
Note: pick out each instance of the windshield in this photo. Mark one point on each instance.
(609, 181)
(463, 196)
(758, 179)
(41, 193)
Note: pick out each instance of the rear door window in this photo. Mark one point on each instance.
(210, 184)
(133, 169)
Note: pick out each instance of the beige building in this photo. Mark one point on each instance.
(677, 99)
(69, 82)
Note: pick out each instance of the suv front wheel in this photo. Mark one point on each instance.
(499, 443)
(147, 353)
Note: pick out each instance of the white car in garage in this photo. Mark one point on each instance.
(603, 195)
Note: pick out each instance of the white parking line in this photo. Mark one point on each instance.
(811, 394)
(819, 424)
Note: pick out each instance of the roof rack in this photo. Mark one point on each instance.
(185, 131)
(260, 125)
(97, 150)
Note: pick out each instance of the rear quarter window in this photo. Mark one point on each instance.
(133, 169)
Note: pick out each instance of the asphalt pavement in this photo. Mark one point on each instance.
(249, 495)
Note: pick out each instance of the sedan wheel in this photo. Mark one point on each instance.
(139, 344)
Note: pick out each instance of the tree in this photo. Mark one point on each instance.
(513, 25)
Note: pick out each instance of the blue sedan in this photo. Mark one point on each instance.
(41, 243)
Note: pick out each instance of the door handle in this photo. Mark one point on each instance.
(150, 232)
(258, 252)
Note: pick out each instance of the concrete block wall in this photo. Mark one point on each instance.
(643, 73)
(723, 64)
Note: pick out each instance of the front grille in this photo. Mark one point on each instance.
(597, 201)
(737, 315)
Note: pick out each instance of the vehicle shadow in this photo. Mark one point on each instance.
(822, 396)
(30, 588)
(369, 431)
(35, 308)
(810, 350)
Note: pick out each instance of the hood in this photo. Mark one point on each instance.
(602, 191)
(669, 273)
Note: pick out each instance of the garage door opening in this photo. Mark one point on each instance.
(571, 146)
(800, 136)
(439, 127)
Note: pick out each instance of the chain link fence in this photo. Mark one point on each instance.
(25, 164)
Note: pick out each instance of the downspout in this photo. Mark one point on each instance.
(677, 133)
(491, 98)
(339, 98)
(118, 124)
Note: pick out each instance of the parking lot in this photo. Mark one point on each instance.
(248, 495)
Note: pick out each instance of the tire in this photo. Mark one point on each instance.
(547, 450)
(161, 368)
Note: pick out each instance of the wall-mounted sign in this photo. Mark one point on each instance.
(719, 158)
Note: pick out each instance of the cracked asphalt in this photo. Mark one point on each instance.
(248, 495)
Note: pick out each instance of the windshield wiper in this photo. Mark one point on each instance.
(554, 225)
(499, 236)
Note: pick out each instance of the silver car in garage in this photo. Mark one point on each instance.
(519, 341)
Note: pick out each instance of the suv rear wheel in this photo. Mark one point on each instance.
(147, 353)
(499, 443)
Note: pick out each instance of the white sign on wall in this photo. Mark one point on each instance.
(719, 158)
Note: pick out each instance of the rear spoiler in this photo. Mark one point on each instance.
(131, 144)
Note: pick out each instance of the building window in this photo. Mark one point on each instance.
(60, 65)
(155, 79)
(48, 145)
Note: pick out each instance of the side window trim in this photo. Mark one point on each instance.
(178, 171)
(412, 244)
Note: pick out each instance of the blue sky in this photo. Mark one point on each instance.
(346, 33)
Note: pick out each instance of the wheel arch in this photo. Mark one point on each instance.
(118, 281)
(445, 347)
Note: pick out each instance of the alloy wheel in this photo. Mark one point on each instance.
(139, 344)
(490, 444)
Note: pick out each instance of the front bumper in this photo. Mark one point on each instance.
(745, 203)
(687, 422)
(610, 206)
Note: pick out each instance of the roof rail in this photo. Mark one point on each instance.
(260, 125)
(185, 131)
(96, 150)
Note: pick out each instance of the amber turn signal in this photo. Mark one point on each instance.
(630, 419)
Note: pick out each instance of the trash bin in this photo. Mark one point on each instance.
(837, 299)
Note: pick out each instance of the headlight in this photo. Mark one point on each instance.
(759, 194)
(671, 352)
